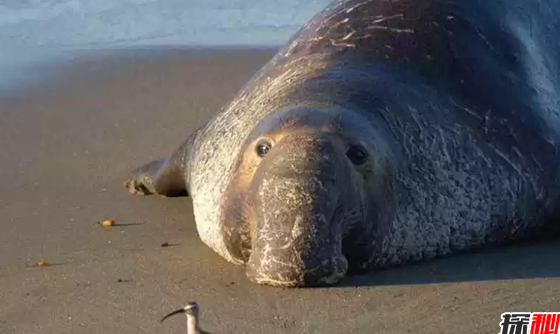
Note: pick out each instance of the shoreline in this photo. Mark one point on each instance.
(31, 70)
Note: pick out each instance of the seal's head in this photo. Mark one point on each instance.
(302, 189)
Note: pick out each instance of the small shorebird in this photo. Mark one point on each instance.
(191, 311)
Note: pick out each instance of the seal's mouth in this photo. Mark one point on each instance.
(298, 204)
(329, 273)
(299, 249)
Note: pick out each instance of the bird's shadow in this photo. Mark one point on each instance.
(522, 261)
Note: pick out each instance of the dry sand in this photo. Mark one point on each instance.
(66, 145)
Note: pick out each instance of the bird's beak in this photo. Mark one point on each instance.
(172, 314)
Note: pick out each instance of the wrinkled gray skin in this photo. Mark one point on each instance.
(397, 131)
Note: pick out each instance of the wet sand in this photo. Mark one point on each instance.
(66, 145)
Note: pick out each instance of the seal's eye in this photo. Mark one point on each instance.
(356, 154)
(262, 148)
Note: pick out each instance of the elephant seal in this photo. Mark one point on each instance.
(384, 132)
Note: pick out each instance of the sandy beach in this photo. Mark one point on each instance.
(68, 140)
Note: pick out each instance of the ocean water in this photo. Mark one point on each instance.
(32, 31)
(78, 24)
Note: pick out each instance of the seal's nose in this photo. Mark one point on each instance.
(298, 239)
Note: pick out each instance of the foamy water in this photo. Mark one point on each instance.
(56, 24)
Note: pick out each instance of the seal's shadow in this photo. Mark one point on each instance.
(536, 260)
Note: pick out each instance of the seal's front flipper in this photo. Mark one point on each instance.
(159, 177)
(166, 176)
